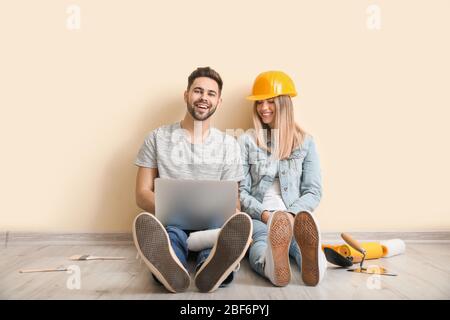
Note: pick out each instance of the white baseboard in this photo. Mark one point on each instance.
(13, 238)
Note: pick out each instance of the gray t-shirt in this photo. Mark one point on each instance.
(168, 148)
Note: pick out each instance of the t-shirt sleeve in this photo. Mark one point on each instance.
(232, 169)
(147, 153)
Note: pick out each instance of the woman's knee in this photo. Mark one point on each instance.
(259, 230)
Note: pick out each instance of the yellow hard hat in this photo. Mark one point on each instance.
(271, 84)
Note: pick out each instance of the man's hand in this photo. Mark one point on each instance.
(145, 197)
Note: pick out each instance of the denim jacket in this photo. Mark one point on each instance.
(299, 174)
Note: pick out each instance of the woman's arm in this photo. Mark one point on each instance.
(311, 183)
(249, 203)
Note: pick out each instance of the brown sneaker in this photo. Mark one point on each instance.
(307, 235)
(153, 244)
(277, 267)
(230, 247)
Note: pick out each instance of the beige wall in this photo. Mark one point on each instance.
(76, 105)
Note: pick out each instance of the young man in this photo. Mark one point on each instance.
(191, 150)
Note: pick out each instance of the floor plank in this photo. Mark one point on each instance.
(423, 273)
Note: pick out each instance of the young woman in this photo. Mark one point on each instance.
(282, 185)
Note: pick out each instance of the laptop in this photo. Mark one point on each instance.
(194, 204)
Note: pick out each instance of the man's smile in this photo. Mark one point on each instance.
(203, 106)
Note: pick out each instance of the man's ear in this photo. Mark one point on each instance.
(185, 96)
(220, 102)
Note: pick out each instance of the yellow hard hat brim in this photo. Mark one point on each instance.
(268, 96)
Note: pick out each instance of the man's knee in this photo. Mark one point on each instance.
(176, 233)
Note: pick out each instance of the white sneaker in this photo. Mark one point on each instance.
(153, 245)
(230, 248)
(323, 264)
(277, 267)
(307, 235)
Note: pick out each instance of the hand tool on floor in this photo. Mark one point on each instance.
(373, 250)
(80, 257)
(372, 269)
(60, 268)
(335, 258)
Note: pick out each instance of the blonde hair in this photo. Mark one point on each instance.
(287, 135)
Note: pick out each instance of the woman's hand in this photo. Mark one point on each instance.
(265, 216)
(291, 218)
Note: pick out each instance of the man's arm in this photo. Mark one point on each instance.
(145, 195)
(238, 203)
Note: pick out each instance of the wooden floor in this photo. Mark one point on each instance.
(423, 273)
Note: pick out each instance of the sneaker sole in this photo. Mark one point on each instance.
(153, 245)
(307, 237)
(279, 241)
(228, 251)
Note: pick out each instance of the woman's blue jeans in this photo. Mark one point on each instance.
(257, 254)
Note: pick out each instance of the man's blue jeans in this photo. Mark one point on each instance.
(178, 241)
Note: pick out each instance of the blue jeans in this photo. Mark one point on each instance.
(178, 241)
(257, 253)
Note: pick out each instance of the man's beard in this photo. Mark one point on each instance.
(200, 117)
